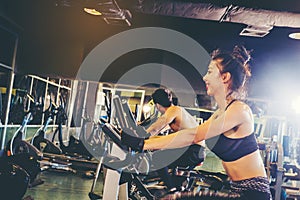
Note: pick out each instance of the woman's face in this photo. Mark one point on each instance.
(213, 79)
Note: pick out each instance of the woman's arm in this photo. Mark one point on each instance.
(217, 124)
(175, 140)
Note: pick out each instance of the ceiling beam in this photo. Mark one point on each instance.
(262, 20)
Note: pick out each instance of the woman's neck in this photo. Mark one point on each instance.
(223, 100)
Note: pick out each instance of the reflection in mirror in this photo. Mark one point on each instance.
(43, 91)
(31, 93)
(4, 74)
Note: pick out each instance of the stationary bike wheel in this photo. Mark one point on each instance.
(20, 148)
(26, 156)
(28, 163)
(24, 147)
(14, 181)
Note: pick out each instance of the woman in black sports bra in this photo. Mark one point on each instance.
(229, 131)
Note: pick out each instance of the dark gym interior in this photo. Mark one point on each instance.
(66, 64)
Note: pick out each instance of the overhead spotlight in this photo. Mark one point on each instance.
(295, 36)
(92, 11)
(111, 13)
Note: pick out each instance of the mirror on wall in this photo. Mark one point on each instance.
(35, 94)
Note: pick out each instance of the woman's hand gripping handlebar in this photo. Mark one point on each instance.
(134, 139)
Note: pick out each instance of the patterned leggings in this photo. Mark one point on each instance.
(257, 188)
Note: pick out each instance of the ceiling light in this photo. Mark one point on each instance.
(295, 36)
(92, 11)
(256, 31)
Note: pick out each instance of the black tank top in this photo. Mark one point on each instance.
(231, 149)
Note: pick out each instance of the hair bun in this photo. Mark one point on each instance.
(241, 54)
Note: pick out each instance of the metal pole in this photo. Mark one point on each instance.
(8, 92)
(71, 103)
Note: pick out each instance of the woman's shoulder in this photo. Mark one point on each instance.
(240, 104)
(240, 107)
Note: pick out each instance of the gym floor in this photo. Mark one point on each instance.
(63, 186)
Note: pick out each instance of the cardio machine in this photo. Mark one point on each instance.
(122, 169)
(39, 140)
(17, 144)
(21, 152)
(132, 168)
(75, 147)
(71, 157)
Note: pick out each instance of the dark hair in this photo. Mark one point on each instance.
(162, 97)
(236, 63)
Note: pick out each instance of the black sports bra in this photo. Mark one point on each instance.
(231, 149)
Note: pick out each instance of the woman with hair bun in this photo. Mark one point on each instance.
(229, 132)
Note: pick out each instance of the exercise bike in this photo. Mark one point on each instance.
(71, 157)
(17, 144)
(39, 140)
(198, 184)
(91, 136)
(14, 180)
(75, 147)
(21, 152)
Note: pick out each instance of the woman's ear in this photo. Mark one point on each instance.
(226, 77)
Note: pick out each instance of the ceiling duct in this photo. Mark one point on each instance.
(259, 21)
